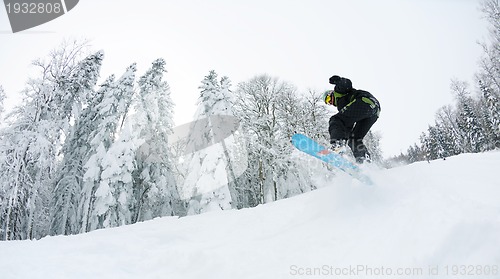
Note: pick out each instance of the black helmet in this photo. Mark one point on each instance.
(342, 85)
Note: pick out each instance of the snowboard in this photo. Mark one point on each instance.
(311, 147)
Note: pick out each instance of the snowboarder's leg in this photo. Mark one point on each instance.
(360, 130)
(342, 123)
(340, 127)
(358, 150)
(353, 122)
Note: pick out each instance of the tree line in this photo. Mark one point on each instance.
(472, 124)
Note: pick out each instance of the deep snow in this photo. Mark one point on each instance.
(425, 220)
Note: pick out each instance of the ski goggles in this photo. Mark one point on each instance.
(329, 98)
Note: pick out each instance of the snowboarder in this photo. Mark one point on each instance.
(358, 111)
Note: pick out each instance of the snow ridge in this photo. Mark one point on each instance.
(415, 221)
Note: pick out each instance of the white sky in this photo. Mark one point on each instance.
(405, 52)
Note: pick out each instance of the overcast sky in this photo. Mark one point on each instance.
(405, 52)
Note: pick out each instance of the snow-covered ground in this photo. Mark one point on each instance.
(425, 220)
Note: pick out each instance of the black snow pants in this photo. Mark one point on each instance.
(352, 123)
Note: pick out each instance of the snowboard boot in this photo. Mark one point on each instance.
(364, 159)
(339, 146)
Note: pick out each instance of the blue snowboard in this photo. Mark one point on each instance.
(311, 147)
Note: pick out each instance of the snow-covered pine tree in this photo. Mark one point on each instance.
(426, 146)
(69, 185)
(30, 144)
(446, 120)
(474, 125)
(471, 135)
(434, 143)
(415, 154)
(155, 189)
(116, 188)
(107, 192)
(489, 116)
(488, 77)
(234, 146)
(210, 179)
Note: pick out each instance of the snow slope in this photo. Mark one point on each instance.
(425, 220)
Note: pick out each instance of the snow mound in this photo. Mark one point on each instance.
(426, 220)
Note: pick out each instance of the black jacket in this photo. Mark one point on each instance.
(344, 94)
(355, 94)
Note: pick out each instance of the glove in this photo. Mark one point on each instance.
(334, 79)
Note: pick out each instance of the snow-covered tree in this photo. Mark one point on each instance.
(107, 182)
(415, 154)
(488, 77)
(473, 125)
(69, 184)
(91, 136)
(315, 117)
(155, 188)
(114, 202)
(446, 121)
(210, 174)
(471, 135)
(372, 142)
(271, 111)
(257, 106)
(30, 144)
(434, 143)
